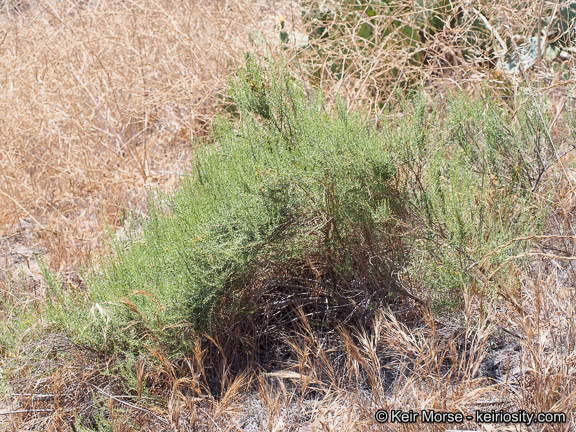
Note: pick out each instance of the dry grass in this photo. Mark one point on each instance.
(333, 381)
(98, 101)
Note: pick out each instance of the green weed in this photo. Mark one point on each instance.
(297, 206)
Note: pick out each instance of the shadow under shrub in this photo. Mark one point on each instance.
(297, 207)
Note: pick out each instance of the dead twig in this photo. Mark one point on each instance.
(117, 399)
(26, 411)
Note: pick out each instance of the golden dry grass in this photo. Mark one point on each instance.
(98, 102)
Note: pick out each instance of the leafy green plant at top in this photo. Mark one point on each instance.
(524, 57)
(472, 190)
(293, 36)
(565, 25)
(340, 31)
(366, 47)
(557, 34)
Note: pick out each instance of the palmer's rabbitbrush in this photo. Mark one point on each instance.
(294, 204)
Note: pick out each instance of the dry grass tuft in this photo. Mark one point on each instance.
(98, 102)
(540, 314)
(521, 356)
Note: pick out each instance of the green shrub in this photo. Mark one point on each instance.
(291, 181)
(294, 205)
(471, 185)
